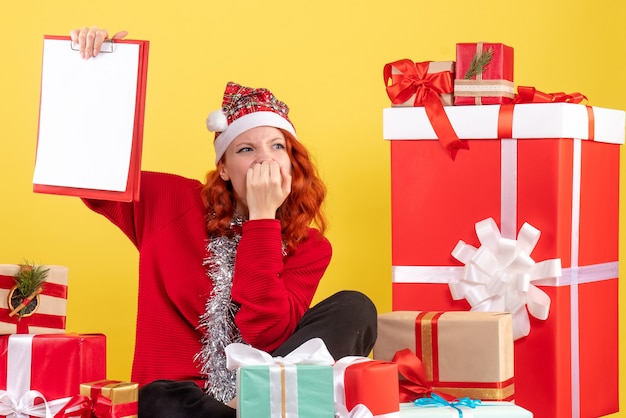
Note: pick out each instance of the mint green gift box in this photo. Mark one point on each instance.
(285, 391)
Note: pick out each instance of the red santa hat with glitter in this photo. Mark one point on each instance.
(244, 108)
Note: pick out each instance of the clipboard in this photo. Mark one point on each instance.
(91, 117)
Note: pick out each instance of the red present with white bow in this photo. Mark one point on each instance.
(554, 179)
(366, 388)
(299, 385)
(39, 374)
(48, 317)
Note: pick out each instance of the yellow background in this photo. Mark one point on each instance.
(325, 59)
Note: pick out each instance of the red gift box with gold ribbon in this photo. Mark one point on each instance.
(484, 74)
(464, 354)
(552, 165)
(49, 313)
(39, 372)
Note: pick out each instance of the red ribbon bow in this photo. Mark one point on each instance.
(527, 94)
(414, 79)
(100, 407)
(415, 384)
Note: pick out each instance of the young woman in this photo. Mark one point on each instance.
(236, 259)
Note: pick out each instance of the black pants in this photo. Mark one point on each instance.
(346, 322)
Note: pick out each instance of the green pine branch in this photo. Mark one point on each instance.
(478, 64)
(30, 277)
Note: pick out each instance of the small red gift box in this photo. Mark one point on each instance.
(484, 74)
(49, 315)
(364, 383)
(54, 365)
(558, 170)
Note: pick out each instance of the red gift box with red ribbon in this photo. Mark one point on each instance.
(52, 365)
(557, 170)
(48, 316)
(484, 74)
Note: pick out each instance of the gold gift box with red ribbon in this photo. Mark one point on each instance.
(463, 353)
(112, 398)
(49, 315)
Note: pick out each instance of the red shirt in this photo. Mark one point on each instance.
(167, 225)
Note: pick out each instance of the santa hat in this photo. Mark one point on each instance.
(244, 108)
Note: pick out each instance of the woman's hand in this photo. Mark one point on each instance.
(267, 186)
(90, 40)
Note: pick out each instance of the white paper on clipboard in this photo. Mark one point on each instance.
(88, 117)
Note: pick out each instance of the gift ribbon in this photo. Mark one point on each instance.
(341, 408)
(438, 401)
(426, 350)
(23, 324)
(37, 319)
(415, 384)
(283, 378)
(49, 289)
(414, 79)
(499, 275)
(313, 351)
(479, 88)
(527, 94)
(103, 407)
(18, 400)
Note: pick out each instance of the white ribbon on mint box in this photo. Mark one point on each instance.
(312, 352)
(18, 400)
(499, 275)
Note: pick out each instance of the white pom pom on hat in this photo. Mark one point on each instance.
(244, 108)
(216, 121)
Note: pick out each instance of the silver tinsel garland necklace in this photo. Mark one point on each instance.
(218, 322)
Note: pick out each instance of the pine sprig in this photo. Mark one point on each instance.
(30, 277)
(478, 64)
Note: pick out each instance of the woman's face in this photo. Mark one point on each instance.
(254, 146)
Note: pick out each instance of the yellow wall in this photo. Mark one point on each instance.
(325, 59)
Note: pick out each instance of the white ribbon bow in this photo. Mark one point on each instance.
(24, 407)
(341, 409)
(313, 351)
(498, 276)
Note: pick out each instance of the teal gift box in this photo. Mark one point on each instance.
(285, 390)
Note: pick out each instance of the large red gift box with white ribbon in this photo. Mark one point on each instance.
(554, 179)
(45, 371)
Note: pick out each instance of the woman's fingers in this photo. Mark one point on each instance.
(120, 35)
(267, 188)
(90, 40)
